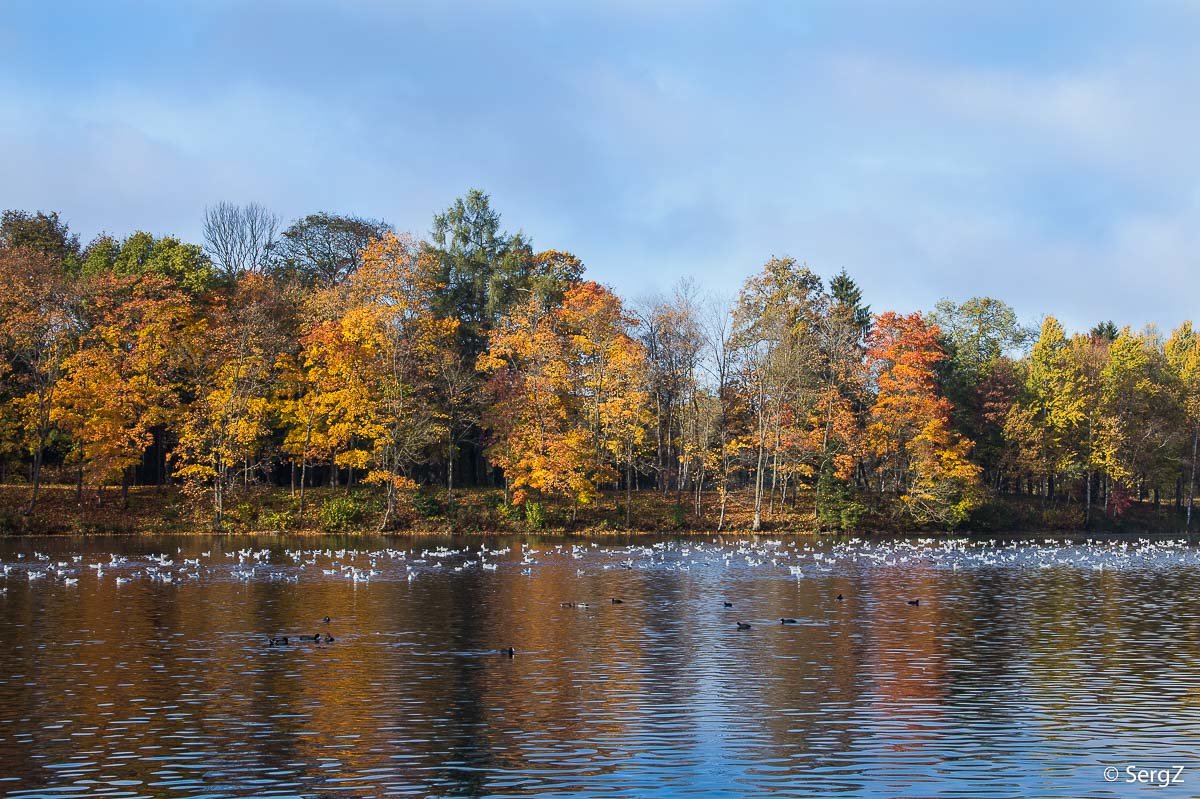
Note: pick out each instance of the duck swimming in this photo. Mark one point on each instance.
(280, 641)
(741, 625)
(914, 602)
(728, 604)
(788, 621)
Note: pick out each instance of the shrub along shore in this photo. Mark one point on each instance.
(484, 512)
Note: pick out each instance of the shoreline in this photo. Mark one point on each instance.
(479, 513)
(615, 537)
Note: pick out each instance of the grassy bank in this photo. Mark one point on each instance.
(483, 511)
(474, 510)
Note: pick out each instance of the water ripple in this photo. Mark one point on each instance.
(949, 667)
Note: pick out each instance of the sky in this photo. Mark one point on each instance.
(1041, 153)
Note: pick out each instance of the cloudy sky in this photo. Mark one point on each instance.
(1043, 153)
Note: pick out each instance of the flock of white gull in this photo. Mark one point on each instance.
(796, 558)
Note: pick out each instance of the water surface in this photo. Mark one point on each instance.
(1026, 669)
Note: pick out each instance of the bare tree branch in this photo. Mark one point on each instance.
(239, 238)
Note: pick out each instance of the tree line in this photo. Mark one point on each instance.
(335, 351)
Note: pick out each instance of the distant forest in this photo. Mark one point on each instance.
(334, 352)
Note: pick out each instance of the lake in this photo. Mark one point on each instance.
(141, 667)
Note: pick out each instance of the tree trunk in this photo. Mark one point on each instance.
(758, 488)
(161, 460)
(37, 476)
(774, 478)
(758, 472)
(1192, 478)
(303, 480)
(629, 485)
(219, 498)
(660, 460)
(1087, 513)
(391, 504)
(449, 466)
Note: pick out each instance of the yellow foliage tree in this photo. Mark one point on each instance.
(569, 400)
(364, 383)
(234, 371)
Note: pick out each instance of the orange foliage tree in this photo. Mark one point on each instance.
(38, 329)
(917, 452)
(124, 379)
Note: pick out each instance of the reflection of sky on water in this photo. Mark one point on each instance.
(1026, 668)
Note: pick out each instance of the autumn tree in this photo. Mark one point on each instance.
(917, 452)
(44, 233)
(123, 381)
(569, 404)
(368, 375)
(774, 336)
(609, 367)
(235, 374)
(1044, 423)
(717, 408)
(486, 273)
(1182, 351)
(981, 336)
(1140, 414)
(670, 333)
(1089, 356)
(834, 430)
(38, 329)
(402, 344)
(323, 402)
(532, 415)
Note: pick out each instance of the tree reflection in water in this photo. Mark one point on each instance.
(1025, 669)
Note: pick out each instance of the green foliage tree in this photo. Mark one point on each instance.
(847, 301)
(145, 254)
(46, 233)
(324, 249)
